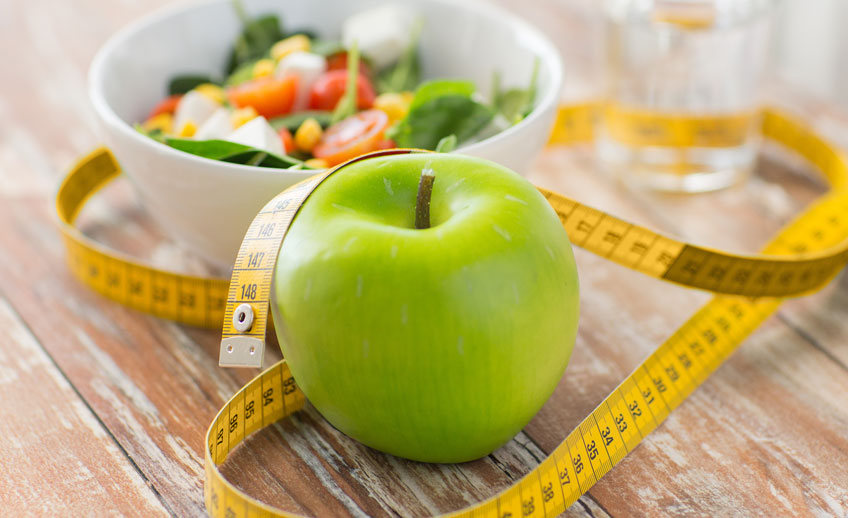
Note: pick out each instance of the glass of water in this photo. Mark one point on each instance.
(683, 85)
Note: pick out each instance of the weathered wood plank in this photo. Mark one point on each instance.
(53, 446)
(765, 435)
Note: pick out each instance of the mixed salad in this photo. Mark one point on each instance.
(296, 100)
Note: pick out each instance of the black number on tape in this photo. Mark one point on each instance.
(672, 374)
(578, 464)
(621, 423)
(592, 450)
(160, 294)
(248, 291)
(254, 260)
(548, 492)
(607, 435)
(697, 348)
(634, 409)
(563, 477)
(639, 248)
(266, 230)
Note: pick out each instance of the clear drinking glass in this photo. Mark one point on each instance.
(683, 85)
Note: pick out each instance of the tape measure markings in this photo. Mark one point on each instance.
(694, 266)
(816, 240)
(654, 389)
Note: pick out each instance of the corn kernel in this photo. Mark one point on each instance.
(188, 130)
(213, 92)
(163, 122)
(263, 68)
(308, 134)
(298, 42)
(243, 115)
(316, 163)
(395, 105)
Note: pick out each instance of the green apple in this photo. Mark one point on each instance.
(435, 344)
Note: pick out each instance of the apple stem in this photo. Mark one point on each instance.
(422, 206)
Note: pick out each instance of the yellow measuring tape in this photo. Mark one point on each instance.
(191, 300)
(802, 258)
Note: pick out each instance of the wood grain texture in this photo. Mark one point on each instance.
(54, 445)
(766, 435)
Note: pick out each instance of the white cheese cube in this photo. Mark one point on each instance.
(307, 67)
(194, 107)
(218, 126)
(381, 34)
(259, 134)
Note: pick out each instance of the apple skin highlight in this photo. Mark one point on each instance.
(437, 344)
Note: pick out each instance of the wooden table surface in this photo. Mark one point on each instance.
(103, 410)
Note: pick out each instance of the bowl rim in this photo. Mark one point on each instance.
(549, 58)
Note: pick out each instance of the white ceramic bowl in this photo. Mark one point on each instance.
(207, 205)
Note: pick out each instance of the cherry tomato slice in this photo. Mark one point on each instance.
(167, 105)
(330, 87)
(338, 61)
(269, 96)
(286, 137)
(354, 136)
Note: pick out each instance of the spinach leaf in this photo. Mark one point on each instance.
(233, 152)
(348, 103)
(447, 144)
(406, 73)
(441, 108)
(293, 121)
(424, 126)
(516, 103)
(259, 158)
(440, 87)
(214, 149)
(511, 105)
(256, 39)
(183, 84)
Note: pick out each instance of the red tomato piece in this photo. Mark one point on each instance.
(354, 136)
(286, 137)
(167, 105)
(338, 61)
(330, 87)
(269, 96)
